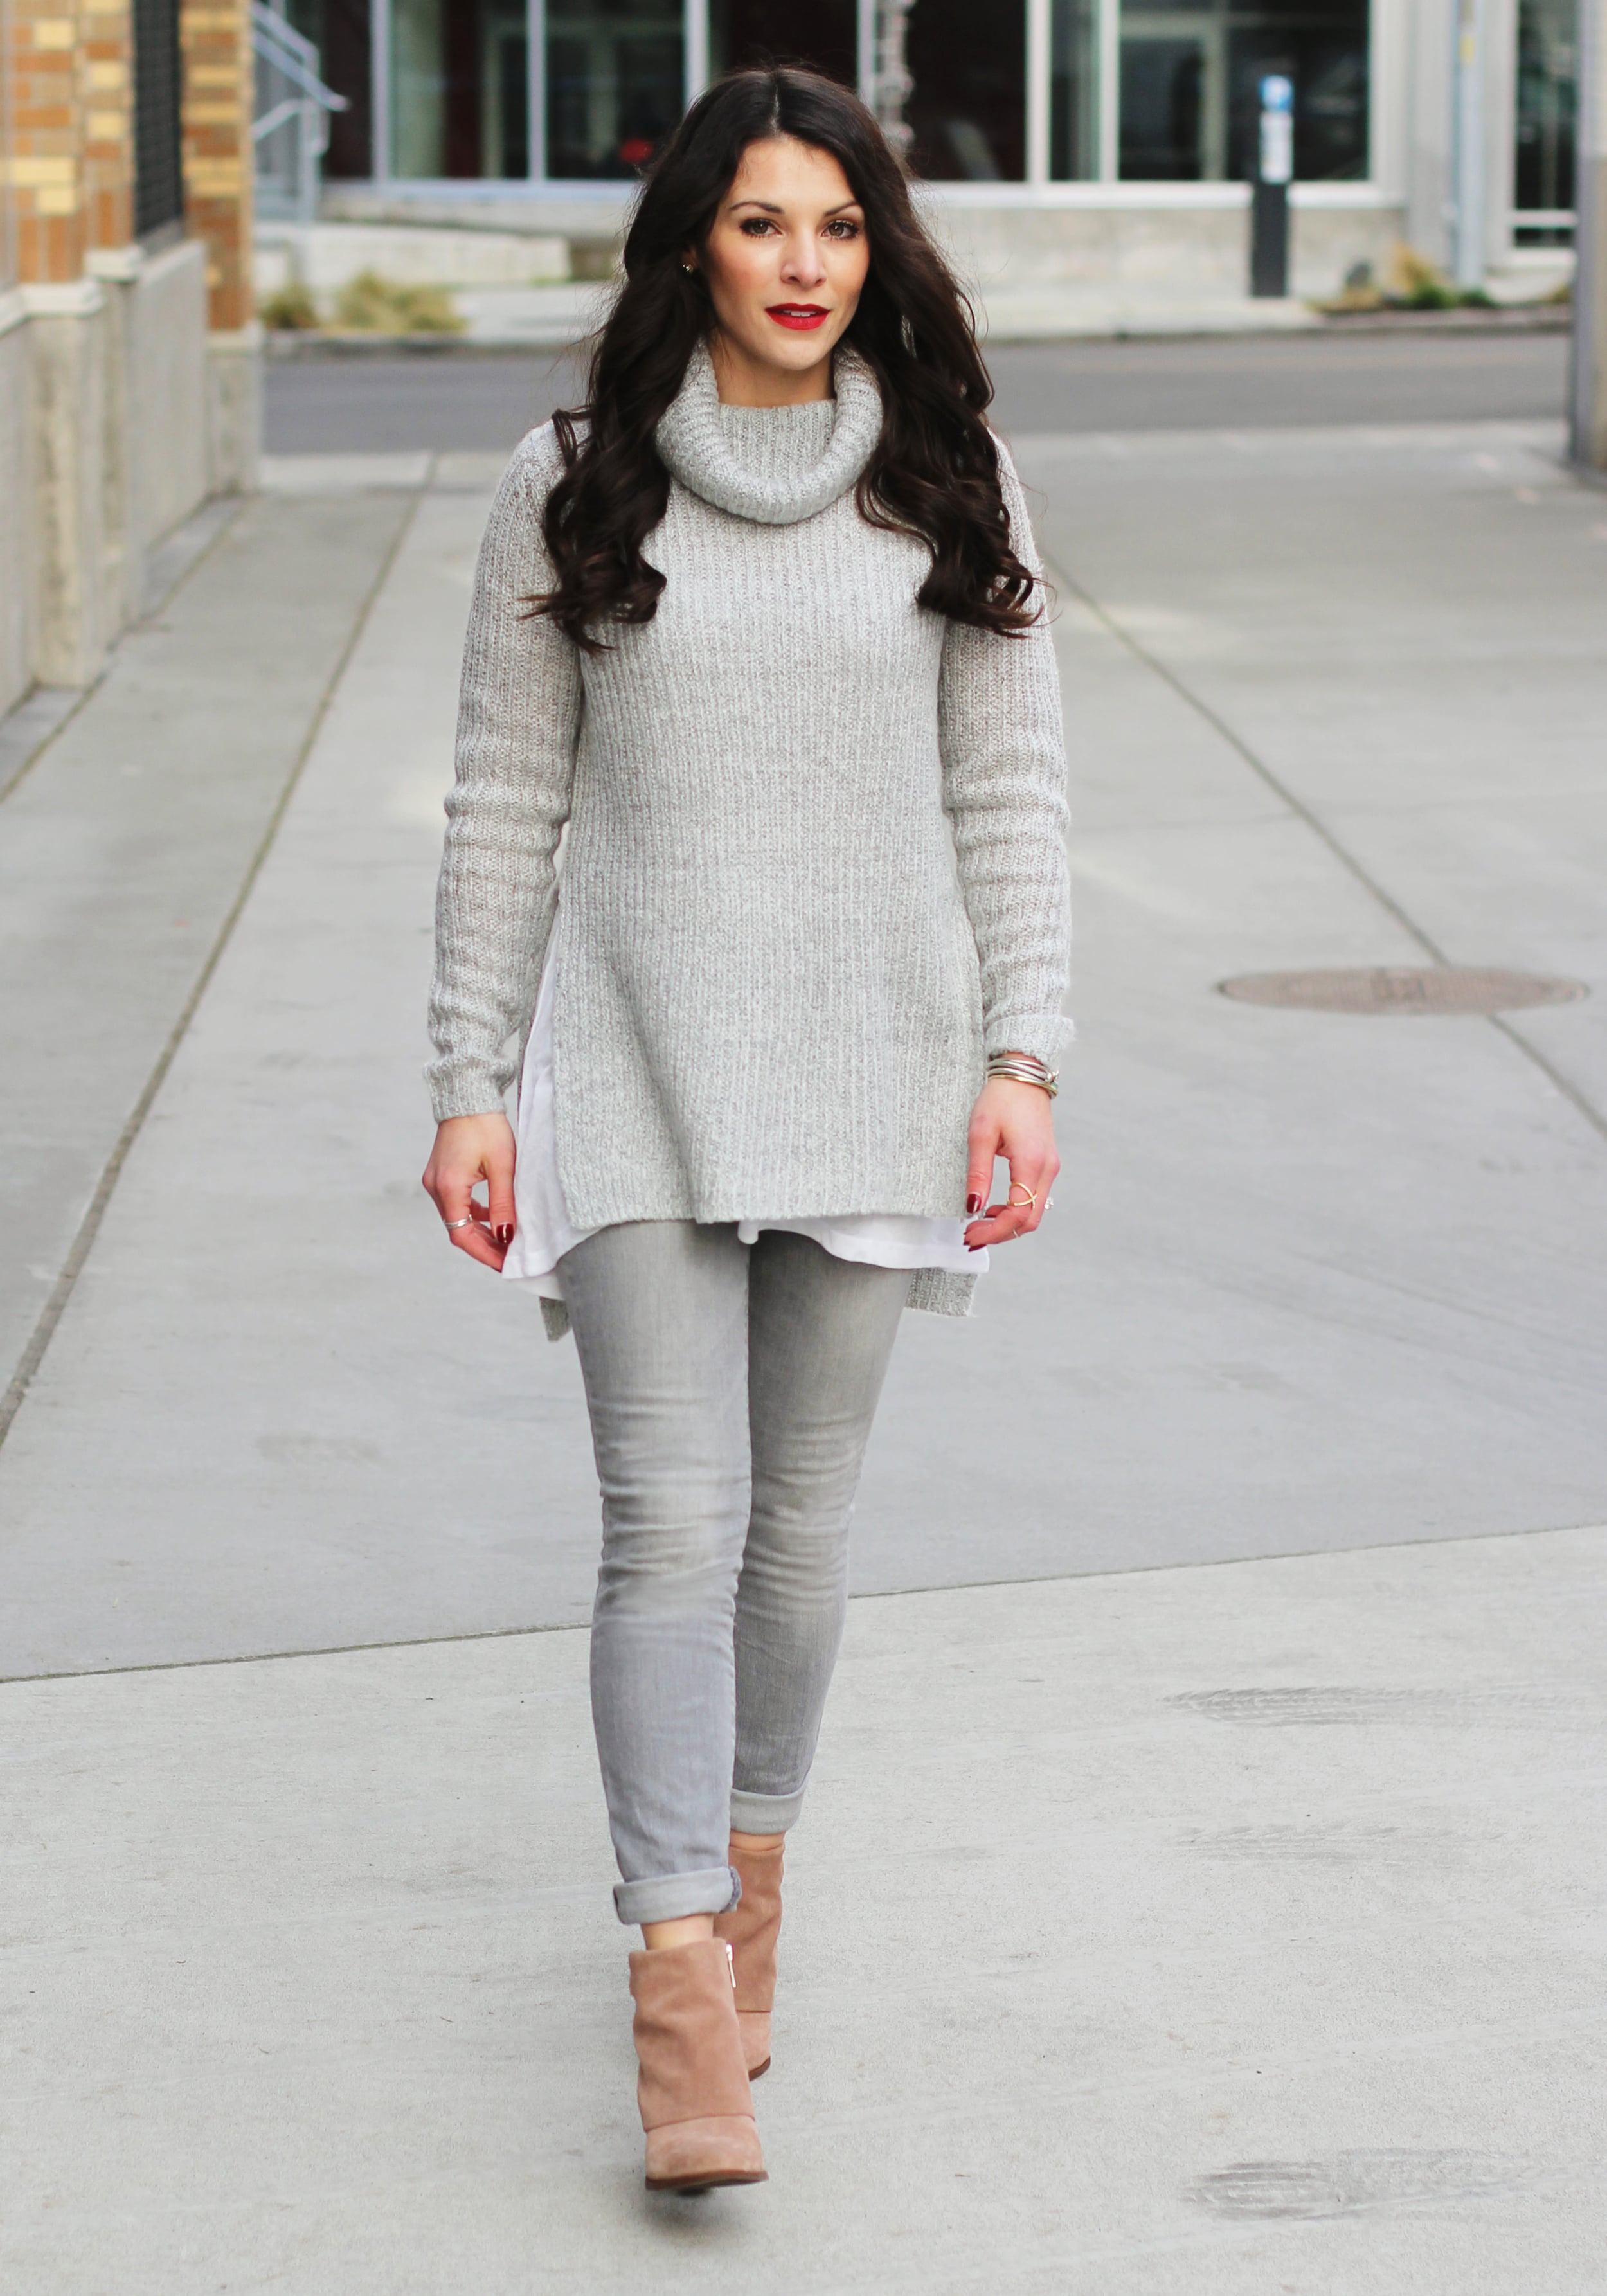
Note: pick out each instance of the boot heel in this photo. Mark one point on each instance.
(692, 2083)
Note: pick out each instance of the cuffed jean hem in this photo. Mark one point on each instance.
(753, 1813)
(671, 1898)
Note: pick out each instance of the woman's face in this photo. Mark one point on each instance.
(785, 260)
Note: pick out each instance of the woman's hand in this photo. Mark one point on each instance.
(1015, 1121)
(469, 1149)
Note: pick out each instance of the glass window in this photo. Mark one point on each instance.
(819, 32)
(1190, 71)
(341, 31)
(614, 83)
(1074, 90)
(1547, 31)
(459, 89)
(968, 109)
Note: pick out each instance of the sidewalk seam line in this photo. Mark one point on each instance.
(59, 728)
(72, 1266)
(1314, 822)
(155, 606)
(876, 1594)
(146, 615)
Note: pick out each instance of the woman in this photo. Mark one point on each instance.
(763, 638)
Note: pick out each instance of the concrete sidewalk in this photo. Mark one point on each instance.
(1216, 1932)
(1227, 1927)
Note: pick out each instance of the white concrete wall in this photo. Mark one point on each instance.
(234, 410)
(167, 392)
(1326, 242)
(324, 257)
(75, 616)
(1197, 248)
(1148, 237)
(1200, 249)
(16, 537)
(106, 435)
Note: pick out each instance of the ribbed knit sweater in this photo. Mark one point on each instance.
(815, 861)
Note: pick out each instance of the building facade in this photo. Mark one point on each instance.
(128, 353)
(1064, 139)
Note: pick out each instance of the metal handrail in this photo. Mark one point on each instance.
(293, 57)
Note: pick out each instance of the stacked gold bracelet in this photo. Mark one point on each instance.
(1023, 1068)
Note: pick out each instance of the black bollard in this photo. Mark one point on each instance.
(1269, 199)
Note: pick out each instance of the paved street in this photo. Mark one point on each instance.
(369, 401)
(1200, 1890)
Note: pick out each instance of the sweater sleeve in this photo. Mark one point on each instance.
(518, 727)
(1005, 791)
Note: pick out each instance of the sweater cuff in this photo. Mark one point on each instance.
(1040, 1033)
(467, 1088)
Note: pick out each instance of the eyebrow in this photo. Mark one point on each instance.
(770, 206)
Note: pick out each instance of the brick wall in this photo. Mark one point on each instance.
(68, 149)
(106, 95)
(44, 155)
(217, 43)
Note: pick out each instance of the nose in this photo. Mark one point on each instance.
(801, 265)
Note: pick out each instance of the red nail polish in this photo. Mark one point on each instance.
(973, 1205)
(504, 1235)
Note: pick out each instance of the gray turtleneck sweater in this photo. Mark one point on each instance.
(815, 862)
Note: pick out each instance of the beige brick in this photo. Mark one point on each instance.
(56, 200)
(51, 32)
(212, 115)
(105, 127)
(104, 77)
(34, 174)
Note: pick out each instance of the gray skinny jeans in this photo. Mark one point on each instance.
(731, 1387)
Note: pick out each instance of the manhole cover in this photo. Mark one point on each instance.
(1404, 988)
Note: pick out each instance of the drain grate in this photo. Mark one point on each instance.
(1444, 989)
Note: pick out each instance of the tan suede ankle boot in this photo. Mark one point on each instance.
(751, 1928)
(691, 2084)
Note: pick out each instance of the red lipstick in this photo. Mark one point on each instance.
(799, 316)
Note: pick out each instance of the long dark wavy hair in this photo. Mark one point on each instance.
(935, 473)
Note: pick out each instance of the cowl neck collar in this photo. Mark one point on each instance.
(773, 464)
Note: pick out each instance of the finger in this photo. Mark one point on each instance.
(981, 1147)
(999, 1223)
(499, 1193)
(1031, 1176)
(1026, 1201)
(454, 1200)
(479, 1244)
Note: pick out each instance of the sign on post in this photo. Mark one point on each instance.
(1269, 199)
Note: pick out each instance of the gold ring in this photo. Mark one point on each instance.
(1026, 1191)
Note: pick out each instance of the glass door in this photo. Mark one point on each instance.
(1174, 109)
(615, 84)
(824, 33)
(459, 89)
(968, 107)
(1543, 174)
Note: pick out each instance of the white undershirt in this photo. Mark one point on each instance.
(543, 1232)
